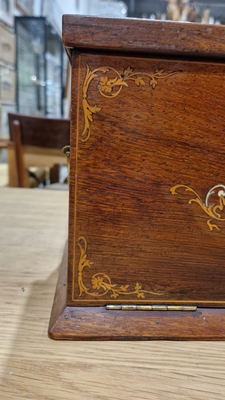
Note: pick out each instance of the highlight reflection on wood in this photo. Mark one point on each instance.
(144, 127)
(212, 210)
(106, 86)
(101, 282)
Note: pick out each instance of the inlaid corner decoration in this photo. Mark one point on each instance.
(101, 283)
(111, 87)
(214, 211)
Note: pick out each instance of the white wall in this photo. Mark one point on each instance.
(100, 7)
(67, 6)
(84, 6)
(54, 9)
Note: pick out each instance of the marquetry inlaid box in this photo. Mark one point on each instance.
(146, 255)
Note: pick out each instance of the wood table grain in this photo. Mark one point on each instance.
(33, 232)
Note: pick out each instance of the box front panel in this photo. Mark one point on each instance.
(146, 172)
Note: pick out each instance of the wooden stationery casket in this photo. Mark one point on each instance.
(146, 256)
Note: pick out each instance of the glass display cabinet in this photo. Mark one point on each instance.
(39, 66)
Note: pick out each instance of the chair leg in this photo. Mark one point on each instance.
(11, 157)
(21, 170)
(54, 173)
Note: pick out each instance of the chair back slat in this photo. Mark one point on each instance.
(41, 132)
(36, 140)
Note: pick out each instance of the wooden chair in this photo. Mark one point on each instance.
(38, 142)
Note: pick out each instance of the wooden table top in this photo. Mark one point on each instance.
(33, 231)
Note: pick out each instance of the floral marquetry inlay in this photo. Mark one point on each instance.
(101, 283)
(110, 83)
(214, 211)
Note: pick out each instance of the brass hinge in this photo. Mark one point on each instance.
(131, 307)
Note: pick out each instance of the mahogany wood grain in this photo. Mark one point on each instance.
(97, 323)
(145, 36)
(147, 189)
(143, 142)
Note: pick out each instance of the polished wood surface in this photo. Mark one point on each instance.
(144, 36)
(142, 143)
(147, 191)
(34, 367)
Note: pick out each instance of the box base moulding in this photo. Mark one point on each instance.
(100, 323)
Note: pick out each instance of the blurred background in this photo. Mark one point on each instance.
(34, 69)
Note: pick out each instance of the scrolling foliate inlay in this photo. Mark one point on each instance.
(110, 87)
(101, 283)
(213, 210)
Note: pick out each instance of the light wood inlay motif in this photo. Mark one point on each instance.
(101, 283)
(213, 210)
(111, 87)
